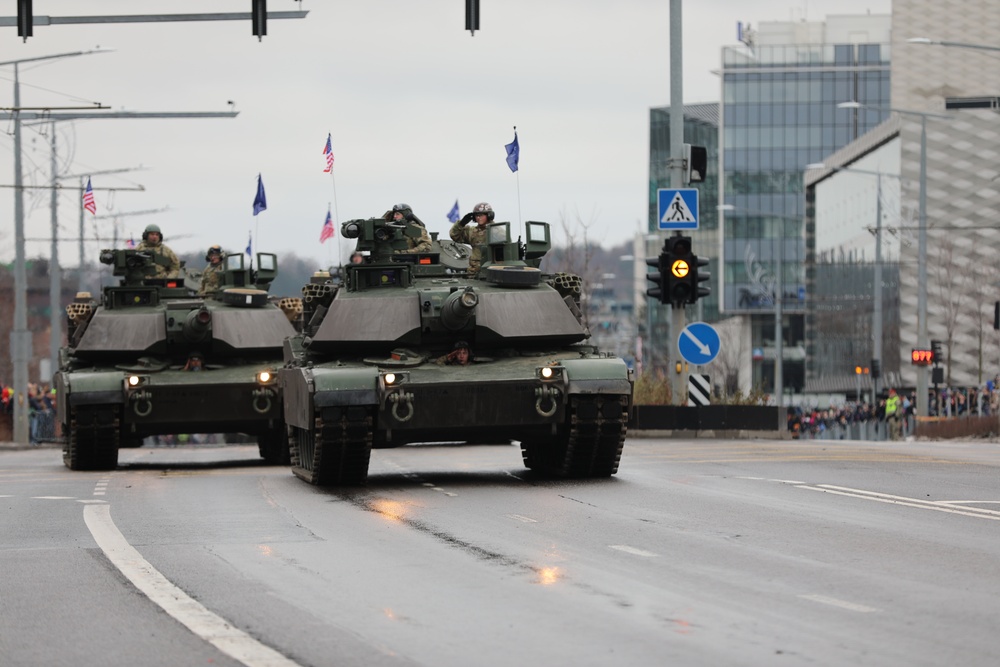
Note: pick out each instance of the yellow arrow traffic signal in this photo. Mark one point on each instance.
(680, 268)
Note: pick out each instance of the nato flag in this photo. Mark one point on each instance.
(513, 153)
(260, 201)
(453, 214)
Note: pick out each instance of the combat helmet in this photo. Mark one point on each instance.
(213, 250)
(483, 207)
(152, 228)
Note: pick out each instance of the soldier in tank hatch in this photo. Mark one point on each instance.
(152, 242)
(403, 214)
(482, 213)
(211, 277)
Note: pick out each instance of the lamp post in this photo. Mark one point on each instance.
(922, 339)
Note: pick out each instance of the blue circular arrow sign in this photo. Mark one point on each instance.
(698, 343)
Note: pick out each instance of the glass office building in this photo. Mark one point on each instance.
(779, 113)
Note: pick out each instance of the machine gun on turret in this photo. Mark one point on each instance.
(134, 266)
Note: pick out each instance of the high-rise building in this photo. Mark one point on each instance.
(779, 113)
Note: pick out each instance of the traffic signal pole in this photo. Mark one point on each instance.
(677, 319)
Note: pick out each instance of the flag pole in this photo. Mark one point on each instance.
(517, 175)
(336, 217)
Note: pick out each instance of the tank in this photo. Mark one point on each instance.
(154, 358)
(377, 363)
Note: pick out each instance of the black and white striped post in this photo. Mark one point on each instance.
(699, 389)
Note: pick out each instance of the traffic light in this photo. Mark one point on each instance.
(876, 368)
(656, 277)
(258, 17)
(695, 163)
(698, 276)
(678, 264)
(936, 357)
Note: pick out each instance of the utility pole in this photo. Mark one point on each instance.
(20, 339)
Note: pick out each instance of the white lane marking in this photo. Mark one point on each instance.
(843, 604)
(88, 500)
(6, 496)
(524, 519)
(632, 550)
(192, 614)
(52, 498)
(902, 500)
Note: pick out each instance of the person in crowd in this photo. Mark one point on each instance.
(893, 412)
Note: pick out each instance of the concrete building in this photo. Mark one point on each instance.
(962, 189)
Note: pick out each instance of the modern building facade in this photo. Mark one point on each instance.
(961, 183)
(779, 113)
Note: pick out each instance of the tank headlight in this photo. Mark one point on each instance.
(265, 377)
(136, 381)
(550, 372)
(390, 378)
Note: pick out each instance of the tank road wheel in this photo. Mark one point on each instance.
(592, 444)
(336, 451)
(274, 447)
(92, 438)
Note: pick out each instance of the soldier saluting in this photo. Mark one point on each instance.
(482, 214)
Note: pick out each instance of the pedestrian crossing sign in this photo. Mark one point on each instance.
(678, 208)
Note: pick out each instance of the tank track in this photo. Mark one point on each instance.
(592, 445)
(337, 450)
(92, 438)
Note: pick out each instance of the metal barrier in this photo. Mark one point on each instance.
(866, 430)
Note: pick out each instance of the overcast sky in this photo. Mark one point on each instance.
(419, 112)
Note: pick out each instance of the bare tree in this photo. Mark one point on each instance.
(951, 295)
(980, 284)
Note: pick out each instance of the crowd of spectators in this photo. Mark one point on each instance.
(818, 422)
(41, 410)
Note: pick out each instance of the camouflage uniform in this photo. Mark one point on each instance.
(211, 278)
(474, 236)
(164, 251)
(422, 244)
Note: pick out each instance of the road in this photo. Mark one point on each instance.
(706, 552)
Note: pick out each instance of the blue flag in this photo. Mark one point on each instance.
(250, 244)
(453, 214)
(260, 201)
(513, 152)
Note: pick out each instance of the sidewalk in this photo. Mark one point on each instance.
(13, 446)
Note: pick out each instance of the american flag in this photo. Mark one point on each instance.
(130, 243)
(88, 199)
(328, 152)
(327, 232)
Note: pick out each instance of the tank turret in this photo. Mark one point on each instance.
(411, 348)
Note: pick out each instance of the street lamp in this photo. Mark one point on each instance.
(922, 340)
(961, 45)
(877, 313)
